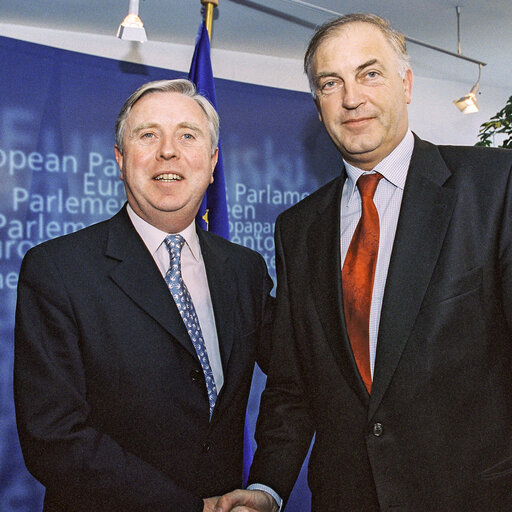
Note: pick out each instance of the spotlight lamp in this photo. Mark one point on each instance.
(467, 104)
(132, 28)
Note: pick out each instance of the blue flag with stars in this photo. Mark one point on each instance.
(213, 213)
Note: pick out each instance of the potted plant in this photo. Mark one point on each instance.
(500, 123)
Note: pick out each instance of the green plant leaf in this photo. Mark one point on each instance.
(501, 122)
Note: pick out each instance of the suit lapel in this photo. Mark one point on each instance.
(324, 260)
(223, 292)
(138, 276)
(425, 213)
(221, 281)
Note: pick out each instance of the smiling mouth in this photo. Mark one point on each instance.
(357, 121)
(168, 177)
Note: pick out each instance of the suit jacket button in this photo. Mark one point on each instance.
(378, 430)
(206, 447)
(195, 375)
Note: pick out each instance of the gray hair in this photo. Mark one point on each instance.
(181, 86)
(396, 40)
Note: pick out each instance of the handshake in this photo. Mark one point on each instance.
(241, 501)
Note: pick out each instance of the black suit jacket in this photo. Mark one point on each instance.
(110, 397)
(436, 432)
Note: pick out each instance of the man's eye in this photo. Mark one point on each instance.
(330, 86)
(147, 135)
(188, 136)
(372, 74)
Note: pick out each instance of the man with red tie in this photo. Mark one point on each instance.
(393, 329)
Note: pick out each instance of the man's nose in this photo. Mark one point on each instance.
(168, 148)
(352, 95)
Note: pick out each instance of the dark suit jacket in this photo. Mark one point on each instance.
(436, 433)
(110, 397)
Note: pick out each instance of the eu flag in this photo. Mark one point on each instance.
(213, 213)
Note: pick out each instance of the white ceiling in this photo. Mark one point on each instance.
(282, 28)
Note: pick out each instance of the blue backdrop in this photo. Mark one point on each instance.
(58, 174)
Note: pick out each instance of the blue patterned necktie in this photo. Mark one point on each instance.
(187, 311)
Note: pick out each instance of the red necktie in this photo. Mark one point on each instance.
(358, 274)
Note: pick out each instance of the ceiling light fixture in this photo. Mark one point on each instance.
(467, 104)
(407, 38)
(132, 28)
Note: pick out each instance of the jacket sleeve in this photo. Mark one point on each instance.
(284, 428)
(267, 315)
(505, 252)
(60, 447)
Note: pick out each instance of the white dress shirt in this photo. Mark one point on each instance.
(388, 200)
(193, 273)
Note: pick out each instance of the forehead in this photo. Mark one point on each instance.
(167, 107)
(352, 42)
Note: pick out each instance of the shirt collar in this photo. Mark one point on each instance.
(394, 167)
(154, 237)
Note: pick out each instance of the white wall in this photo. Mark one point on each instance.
(434, 117)
(432, 113)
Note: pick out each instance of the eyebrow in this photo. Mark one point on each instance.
(326, 74)
(184, 124)
(142, 126)
(190, 126)
(359, 68)
(368, 63)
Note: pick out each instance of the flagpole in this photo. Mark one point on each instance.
(208, 18)
(213, 212)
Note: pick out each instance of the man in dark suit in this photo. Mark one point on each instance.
(122, 404)
(418, 417)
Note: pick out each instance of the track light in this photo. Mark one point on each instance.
(467, 104)
(132, 28)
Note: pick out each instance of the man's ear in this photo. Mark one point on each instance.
(408, 82)
(215, 157)
(317, 105)
(119, 160)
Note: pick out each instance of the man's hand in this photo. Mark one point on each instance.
(209, 504)
(246, 501)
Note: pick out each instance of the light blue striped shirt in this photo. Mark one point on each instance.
(388, 200)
